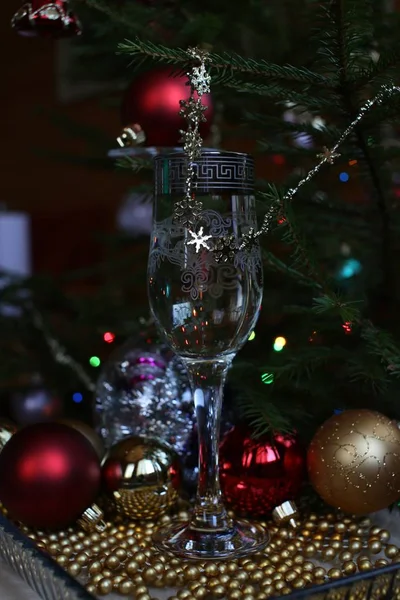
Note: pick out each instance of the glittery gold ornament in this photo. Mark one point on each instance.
(354, 461)
(142, 475)
(7, 430)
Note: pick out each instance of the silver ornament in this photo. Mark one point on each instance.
(143, 390)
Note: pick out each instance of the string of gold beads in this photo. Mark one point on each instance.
(122, 559)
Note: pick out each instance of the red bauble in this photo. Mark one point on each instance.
(49, 475)
(259, 474)
(46, 19)
(152, 101)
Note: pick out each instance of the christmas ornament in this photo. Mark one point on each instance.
(35, 406)
(142, 476)
(259, 474)
(46, 19)
(354, 461)
(7, 430)
(144, 390)
(286, 512)
(151, 108)
(88, 433)
(49, 475)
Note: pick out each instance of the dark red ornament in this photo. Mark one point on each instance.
(259, 474)
(152, 102)
(46, 19)
(49, 475)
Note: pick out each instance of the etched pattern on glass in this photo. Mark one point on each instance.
(200, 272)
(213, 172)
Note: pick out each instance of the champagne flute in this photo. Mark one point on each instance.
(205, 297)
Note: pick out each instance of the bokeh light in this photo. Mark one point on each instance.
(267, 378)
(94, 361)
(109, 337)
(279, 343)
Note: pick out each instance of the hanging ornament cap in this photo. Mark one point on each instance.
(92, 519)
(133, 135)
(21, 21)
(39, 18)
(286, 512)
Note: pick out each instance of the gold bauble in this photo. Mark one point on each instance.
(354, 461)
(88, 432)
(142, 476)
(7, 430)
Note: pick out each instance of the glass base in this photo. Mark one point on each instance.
(187, 542)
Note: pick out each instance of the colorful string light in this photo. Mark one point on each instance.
(94, 361)
(109, 337)
(347, 326)
(279, 343)
(350, 268)
(267, 378)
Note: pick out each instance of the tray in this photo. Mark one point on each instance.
(51, 582)
(37, 569)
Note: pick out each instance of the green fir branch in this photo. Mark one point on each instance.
(223, 65)
(275, 264)
(278, 93)
(134, 163)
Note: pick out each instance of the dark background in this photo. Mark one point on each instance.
(67, 202)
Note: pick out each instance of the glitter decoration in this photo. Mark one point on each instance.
(385, 92)
(354, 461)
(143, 390)
(193, 112)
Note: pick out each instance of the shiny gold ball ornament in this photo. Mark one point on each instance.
(354, 461)
(142, 476)
(7, 430)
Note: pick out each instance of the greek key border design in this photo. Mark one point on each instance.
(217, 173)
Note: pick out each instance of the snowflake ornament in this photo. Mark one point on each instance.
(329, 155)
(250, 239)
(187, 212)
(225, 249)
(199, 239)
(192, 142)
(200, 80)
(192, 110)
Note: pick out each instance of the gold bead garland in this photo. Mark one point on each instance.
(122, 559)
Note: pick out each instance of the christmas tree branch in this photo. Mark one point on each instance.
(345, 88)
(225, 63)
(114, 14)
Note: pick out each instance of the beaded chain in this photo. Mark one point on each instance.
(123, 560)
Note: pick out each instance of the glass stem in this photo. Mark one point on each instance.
(207, 378)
